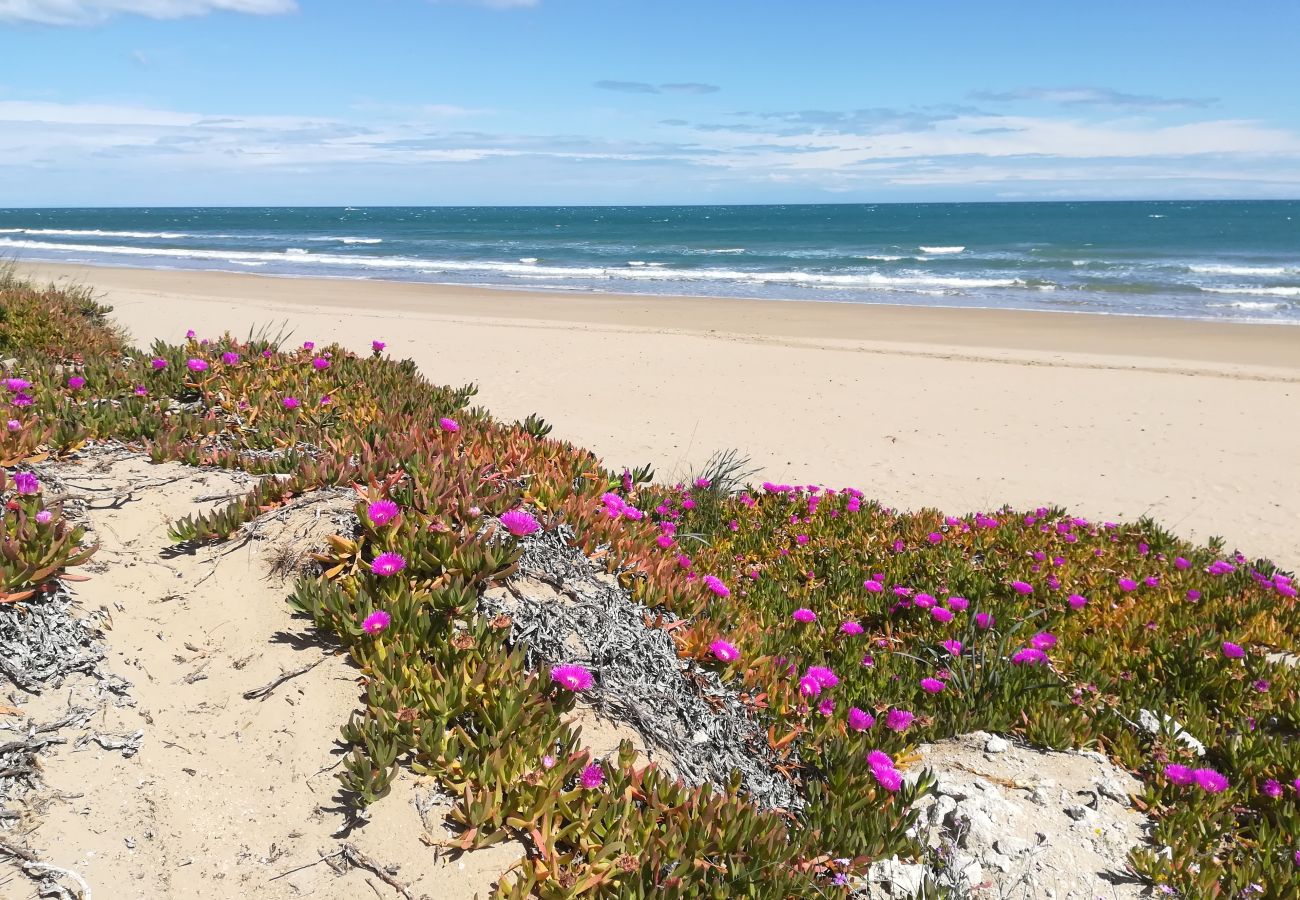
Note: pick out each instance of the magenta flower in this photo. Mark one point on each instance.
(860, 720)
(14, 425)
(872, 585)
(934, 537)
(1233, 651)
(76, 382)
(879, 759)
(1022, 587)
(1273, 788)
(1179, 775)
(381, 512)
(1180, 563)
(309, 345)
(230, 357)
(1128, 584)
(17, 384)
(957, 603)
(941, 614)
(593, 776)
(713, 583)
(519, 523)
(931, 685)
(189, 335)
(1210, 781)
(953, 647)
(197, 365)
(809, 686)
(21, 399)
(1193, 595)
(1077, 601)
(388, 564)
(1028, 656)
(141, 391)
(43, 517)
(447, 424)
(804, 615)
(325, 400)
(319, 363)
(1043, 641)
(548, 762)
(158, 363)
(898, 720)
(984, 620)
(824, 676)
(826, 707)
(890, 778)
(572, 677)
(292, 402)
(851, 628)
(376, 622)
(26, 483)
(724, 651)
(377, 347)
(1220, 567)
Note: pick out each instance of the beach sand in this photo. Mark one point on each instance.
(1190, 422)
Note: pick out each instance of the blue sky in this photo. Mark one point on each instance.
(204, 102)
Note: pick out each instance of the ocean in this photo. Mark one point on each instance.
(1236, 260)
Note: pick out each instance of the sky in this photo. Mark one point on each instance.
(521, 102)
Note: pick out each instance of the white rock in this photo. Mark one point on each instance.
(1153, 724)
(996, 744)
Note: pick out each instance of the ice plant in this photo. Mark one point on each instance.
(76, 382)
(319, 363)
(953, 647)
(388, 564)
(572, 677)
(230, 357)
(196, 365)
(984, 620)
(447, 424)
(724, 651)
(519, 523)
(898, 720)
(1233, 651)
(1180, 775)
(1022, 587)
(931, 685)
(291, 402)
(44, 516)
(381, 512)
(593, 776)
(804, 615)
(17, 384)
(376, 622)
(377, 347)
(851, 628)
(1209, 781)
(860, 720)
(26, 483)
(714, 584)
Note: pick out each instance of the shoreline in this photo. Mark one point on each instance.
(959, 409)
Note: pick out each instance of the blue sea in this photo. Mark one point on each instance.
(1236, 260)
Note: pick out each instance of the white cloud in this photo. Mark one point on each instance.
(92, 12)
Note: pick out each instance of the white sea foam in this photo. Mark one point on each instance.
(1258, 291)
(95, 232)
(884, 258)
(1155, 216)
(528, 260)
(636, 262)
(349, 240)
(1257, 305)
(1245, 270)
(728, 250)
(938, 251)
(651, 272)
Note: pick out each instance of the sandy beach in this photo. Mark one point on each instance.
(1112, 417)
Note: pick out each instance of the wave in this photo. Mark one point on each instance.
(1257, 305)
(938, 251)
(528, 260)
(884, 258)
(95, 232)
(649, 272)
(1244, 270)
(1260, 291)
(349, 240)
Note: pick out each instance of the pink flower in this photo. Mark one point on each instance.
(76, 382)
(1028, 656)
(21, 400)
(852, 628)
(879, 759)
(447, 424)
(26, 483)
(17, 384)
(1128, 584)
(809, 686)
(1179, 775)
(890, 778)
(724, 651)
(898, 720)
(377, 347)
(941, 614)
(43, 517)
(519, 523)
(1220, 567)
(593, 776)
(309, 345)
(230, 358)
(860, 720)
(934, 537)
(824, 676)
(1193, 595)
(572, 677)
(715, 584)
(1022, 587)
(1077, 601)
(872, 585)
(1233, 651)
(292, 402)
(1043, 641)
(953, 647)
(189, 335)
(319, 363)
(984, 620)
(925, 601)
(14, 425)
(141, 390)
(388, 564)
(381, 512)
(197, 365)
(804, 615)
(1180, 563)
(826, 707)
(1273, 788)
(376, 622)
(548, 762)
(325, 400)
(868, 660)
(931, 685)
(957, 603)
(1210, 781)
